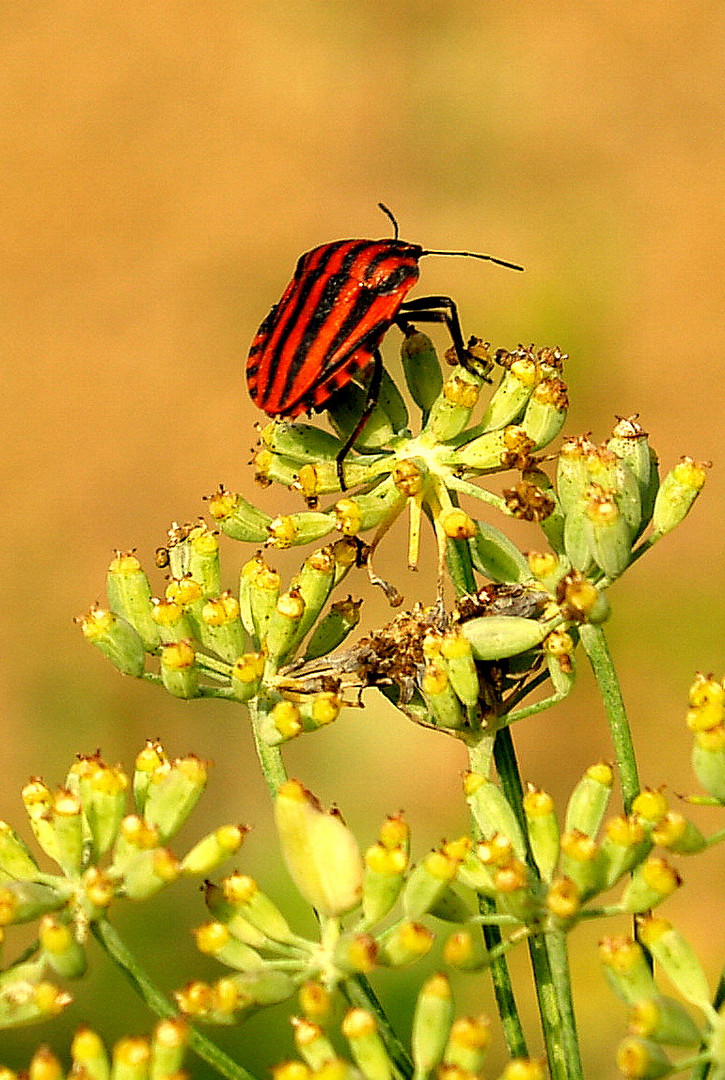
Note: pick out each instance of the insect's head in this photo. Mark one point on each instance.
(464, 254)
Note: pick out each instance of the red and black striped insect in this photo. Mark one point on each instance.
(332, 318)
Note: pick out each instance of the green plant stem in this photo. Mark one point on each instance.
(555, 1020)
(115, 947)
(595, 645)
(270, 758)
(556, 944)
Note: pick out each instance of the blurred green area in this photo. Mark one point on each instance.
(163, 167)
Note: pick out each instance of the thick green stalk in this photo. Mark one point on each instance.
(270, 757)
(595, 645)
(115, 947)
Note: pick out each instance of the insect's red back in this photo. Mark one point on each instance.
(333, 315)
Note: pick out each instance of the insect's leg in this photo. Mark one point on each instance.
(437, 309)
(373, 394)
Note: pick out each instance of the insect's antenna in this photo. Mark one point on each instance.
(389, 213)
(475, 255)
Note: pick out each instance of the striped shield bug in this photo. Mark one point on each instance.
(331, 320)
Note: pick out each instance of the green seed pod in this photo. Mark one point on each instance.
(392, 402)
(543, 830)
(404, 943)
(468, 1042)
(383, 881)
(67, 823)
(250, 904)
(427, 883)
(272, 468)
(589, 800)
(129, 595)
(64, 953)
(610, 473)
(237, 518)
(103, 794)
(466, 951)
(676, 494)
(572, 476)
(172, 621)
(677, 958)
(580, 861)
(116, 639)
(578, 538)
(210, 852)
(546, 412)
(496, 556)
(220, 627)
(25, 901)
(312, 1044)
(259, 587)
(561, 661)
(649, 495)
(627, 969)
(511, 396)
(355, 954)
(179, 671)
(203, 560)
(492, 812)
(367, 511)
(422, 370)
(677, 833)
(443, 703)
(320, 478)
(266, 987)
(331, 631)
(283, 626)
(461, 668)
(625, 844)
(173, 794)
(89, 1055)
(485, 452)
(246, 676)
(149, 872)
(708, 761)
(301, 442)
(366, 1046)
(16, 859)
(664, 1020)
(651, 883)
(640, 1059)
(280, 723)
(214, 939)
(314, 584)
(610, 536)
(345, 410)
(432, 1022)
(305, 527)
(451, 411)
(36, 1000)
(496, 637)
(319, 850)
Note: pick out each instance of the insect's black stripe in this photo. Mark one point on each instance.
(310, 316)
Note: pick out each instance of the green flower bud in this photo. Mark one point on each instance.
(237, 518)
(312, 1044)
(652, 882)
(148, 762)
(305, 527)
(383, 881)
(103, 794)
(266, 987)
(460, 666)
(496, 637)
(25, 1000)
(203, 559)
(214, 849)
(280, 723)
(580, 861)
(314, 584)
(320, 710)
(179, 671)
(492, 812)
(16, 859)
(259, 592)
(676, 494)
(663, 1020)
(355, 954)
(301, 442)
(173, 794)
(250, 905)
(171, 620)
(135, 835)
(220, 627)
(345, 410)
(708, 761)
(468, 1042)
(543, 830)
(572, 477)
(283, 626)
(496, 556)
(707, 703)
(422, 369)
(168, 1042)
(319, 850)
(444, 705)
(67, 823)
(625, 844)
(331, 631)
(679, 834)
(589, 800)
(214, 939)
(427, 883)
(485, 452)
(366, 1046)
(610, 536)
(546, 412)
(404, 943)
(129, 595)
(38, 800)
(466, 951)
(61, 949)
(578, 538)
(563, 899)
(627, 970)
(451, 411)
(432, 1021)
(89, 1055)
(149, 872)
(677, 959)
(117, 640)
(367, 511)
(629, 442)
(639, 1059)
(548, 568)
(511, 396)
(246, 675)
(25, 901)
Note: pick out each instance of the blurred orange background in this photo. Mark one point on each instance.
(163, 166)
